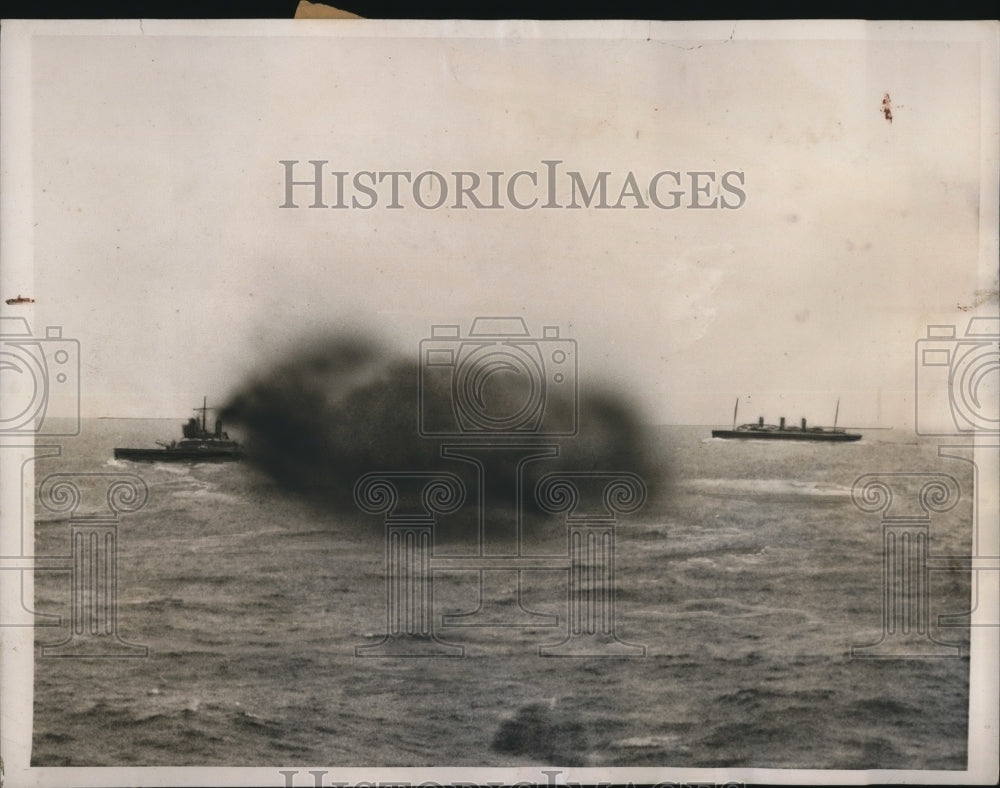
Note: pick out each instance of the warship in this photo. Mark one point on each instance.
(197, 445)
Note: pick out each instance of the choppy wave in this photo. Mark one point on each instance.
(747, 592)
(767, 487)
(206, 495)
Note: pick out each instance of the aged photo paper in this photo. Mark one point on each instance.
(438, 403)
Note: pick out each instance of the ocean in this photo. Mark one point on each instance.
(747, 582)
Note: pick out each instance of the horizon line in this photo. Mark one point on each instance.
(648, 424)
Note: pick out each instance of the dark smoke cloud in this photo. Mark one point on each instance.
(342, 407)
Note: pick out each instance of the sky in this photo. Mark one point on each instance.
(156, 238)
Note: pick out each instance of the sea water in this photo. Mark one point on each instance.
(746, 582)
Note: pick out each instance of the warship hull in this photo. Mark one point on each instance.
(178, 455)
